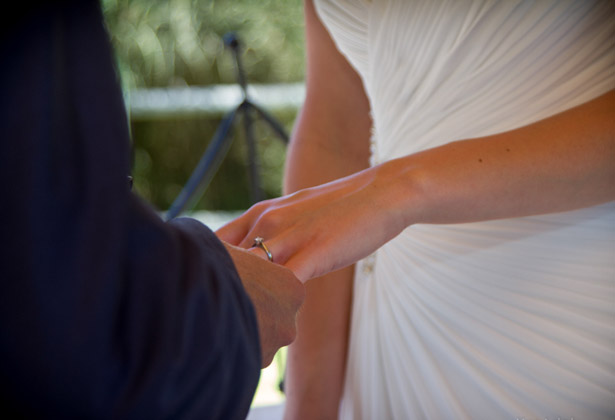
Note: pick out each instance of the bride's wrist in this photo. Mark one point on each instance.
(399, 187)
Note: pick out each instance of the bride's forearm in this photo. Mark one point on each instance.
(317, 359)
(561, 163)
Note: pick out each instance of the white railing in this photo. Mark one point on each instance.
(161, 103)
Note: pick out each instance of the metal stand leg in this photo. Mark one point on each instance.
(221, 142)
(206, 168)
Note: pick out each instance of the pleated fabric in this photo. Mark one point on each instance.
(503, 319)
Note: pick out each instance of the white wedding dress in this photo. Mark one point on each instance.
(508, 319)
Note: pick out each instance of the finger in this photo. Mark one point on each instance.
(264, 250)
(247, 227)
(301, 268)
(312, 258)
(255, 231)
(249, 240)
(259, 252)
(235, 231)
(281, 248)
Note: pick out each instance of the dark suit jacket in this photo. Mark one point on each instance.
(105, 310)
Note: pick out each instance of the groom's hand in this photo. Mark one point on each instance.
(276, 294)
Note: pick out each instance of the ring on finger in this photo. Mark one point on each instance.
(260, 242)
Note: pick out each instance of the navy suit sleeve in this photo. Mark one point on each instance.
(105, 310)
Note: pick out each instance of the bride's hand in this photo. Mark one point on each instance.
(325, 228)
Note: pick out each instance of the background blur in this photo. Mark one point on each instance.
(175, 44)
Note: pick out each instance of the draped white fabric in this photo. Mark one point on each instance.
(495, 320)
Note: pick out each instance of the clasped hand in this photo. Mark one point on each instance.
(321, 229)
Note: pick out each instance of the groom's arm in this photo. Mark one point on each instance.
(106, 311)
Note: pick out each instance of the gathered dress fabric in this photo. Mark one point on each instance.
(505, 319)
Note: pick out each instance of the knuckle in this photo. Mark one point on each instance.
(296, 290)
(287, 332)
(259, 207)
(270, 219)
(298, 295)
(267, 359)
(289, 335)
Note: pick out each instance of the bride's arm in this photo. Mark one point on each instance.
(561, 163)
(330, 140)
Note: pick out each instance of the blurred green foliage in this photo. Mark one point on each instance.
(179, 43)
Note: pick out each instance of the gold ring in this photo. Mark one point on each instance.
(260, 242)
